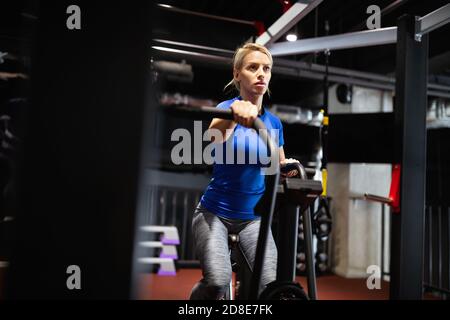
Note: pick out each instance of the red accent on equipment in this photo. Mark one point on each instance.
(394, 193)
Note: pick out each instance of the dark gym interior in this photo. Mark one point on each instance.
(88, 114)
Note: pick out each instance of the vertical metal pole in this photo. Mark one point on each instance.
(174, 208)
(316, 33)
(430, 245)
(382, 241)
(439, 247)
(410, 119)
(162, 208)
(448, 241)
(310, 269)
(287, 239)
(264, 230)
(185, 224)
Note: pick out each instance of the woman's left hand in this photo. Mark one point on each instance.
(291, 173)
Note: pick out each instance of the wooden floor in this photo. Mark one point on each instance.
(330, 287)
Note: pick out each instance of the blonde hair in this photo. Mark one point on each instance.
(238, 60)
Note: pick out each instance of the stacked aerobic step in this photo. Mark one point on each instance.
(168, 254)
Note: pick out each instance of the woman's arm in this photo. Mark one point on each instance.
(225, 127)
(244, 113)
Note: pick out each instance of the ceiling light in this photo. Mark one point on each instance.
(291, 37)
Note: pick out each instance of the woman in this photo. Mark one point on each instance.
(228, 202)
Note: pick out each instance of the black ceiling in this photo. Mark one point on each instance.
(342, 16)
(18, 21)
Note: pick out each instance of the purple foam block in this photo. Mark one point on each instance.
(166, 273)
(169, 241)
(170, 256)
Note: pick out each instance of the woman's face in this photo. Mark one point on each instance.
(255, 74)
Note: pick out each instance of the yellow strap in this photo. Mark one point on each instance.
(325, 121)
(324, 182)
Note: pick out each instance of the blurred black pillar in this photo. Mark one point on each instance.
(410, 150)
(81, 155)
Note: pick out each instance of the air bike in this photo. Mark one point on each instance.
(297, 194)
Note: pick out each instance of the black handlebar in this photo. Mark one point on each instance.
(304, 173)
(202, 112)
(294, 166)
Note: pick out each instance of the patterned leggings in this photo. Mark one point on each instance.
(211, 247)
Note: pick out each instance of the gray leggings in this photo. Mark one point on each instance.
(211, 247)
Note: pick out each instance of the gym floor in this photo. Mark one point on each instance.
(178, 287)
(329, 287)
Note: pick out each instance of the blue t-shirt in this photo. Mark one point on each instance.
(236, 188)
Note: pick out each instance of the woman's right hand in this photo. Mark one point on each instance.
(244, 112)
